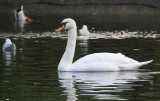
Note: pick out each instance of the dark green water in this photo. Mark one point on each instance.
(31, 74)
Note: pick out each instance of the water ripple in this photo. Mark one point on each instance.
(106, 85)
(93, 35)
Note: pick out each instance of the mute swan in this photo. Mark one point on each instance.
(84, 31)
(92, 62)
(19, 15)
(9, 46)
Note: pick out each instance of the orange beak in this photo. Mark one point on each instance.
(60, 28)
(28, 19)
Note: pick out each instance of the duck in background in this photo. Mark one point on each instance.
(20, 18)
(84, 31)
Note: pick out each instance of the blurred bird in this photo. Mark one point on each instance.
(9, 46)
(19, 15)
(84, 31)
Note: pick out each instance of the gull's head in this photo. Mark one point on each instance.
(85, 27)
(8, 41)
(67, 24)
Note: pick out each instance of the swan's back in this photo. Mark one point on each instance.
(101, 62)
(116, 58)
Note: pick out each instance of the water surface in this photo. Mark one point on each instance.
(30, 73)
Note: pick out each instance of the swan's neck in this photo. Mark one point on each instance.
(68, 55)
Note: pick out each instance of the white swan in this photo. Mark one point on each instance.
(9, 46)
(92, 62)
(19, 15)
(84, 31)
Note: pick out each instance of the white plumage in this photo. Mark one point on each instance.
(106, 62)
(84, 31)
(20, 16)
(9, 46)
(93, 62)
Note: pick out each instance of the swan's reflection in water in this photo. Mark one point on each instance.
(9, 57)
(100, 85)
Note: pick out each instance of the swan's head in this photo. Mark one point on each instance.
(67, 24)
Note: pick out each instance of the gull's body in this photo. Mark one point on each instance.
(9, 46)
(84, 31)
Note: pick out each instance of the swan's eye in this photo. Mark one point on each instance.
(62, 24)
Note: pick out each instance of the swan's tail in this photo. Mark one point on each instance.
(146, 62)
(133, 66)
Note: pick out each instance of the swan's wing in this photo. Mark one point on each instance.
(107, 57)
(102, 62)
(127, 59)
(133, 66)
(93, 66)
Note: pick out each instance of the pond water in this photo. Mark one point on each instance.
(30, 73)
